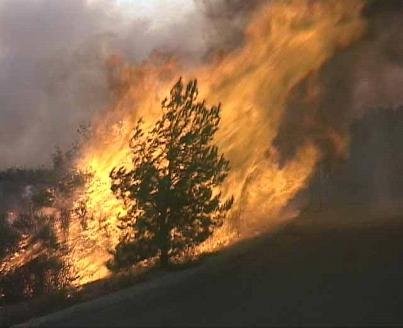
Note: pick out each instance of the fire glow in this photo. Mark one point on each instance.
(286, 43)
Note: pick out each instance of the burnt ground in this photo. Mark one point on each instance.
(329, 268)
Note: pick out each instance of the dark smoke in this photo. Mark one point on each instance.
(226, 21)
(362, 78)
(360, 96)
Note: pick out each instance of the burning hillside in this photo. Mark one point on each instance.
(285, 45)
(279, 122)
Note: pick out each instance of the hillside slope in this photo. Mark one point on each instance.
(311, 271)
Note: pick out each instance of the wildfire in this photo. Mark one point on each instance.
(285, 43)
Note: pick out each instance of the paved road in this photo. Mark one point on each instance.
(303, 275)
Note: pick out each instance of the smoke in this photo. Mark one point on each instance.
(378, 75)
(51, 60)
(226, 20)
(351, 110)
(363, 77)
(53, 53)
(52, 63)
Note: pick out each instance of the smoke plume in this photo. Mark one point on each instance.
(366, 76)
(52, 63)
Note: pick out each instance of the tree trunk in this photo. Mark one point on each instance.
(164, 247)
(164, 258)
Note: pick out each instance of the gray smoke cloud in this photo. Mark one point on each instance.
(378, 73)
(361, 98)
(53, 54)
(364, 77)
(50, 74)
(226, 20)
(52, 64)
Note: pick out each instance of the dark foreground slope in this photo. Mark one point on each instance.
(345, 270)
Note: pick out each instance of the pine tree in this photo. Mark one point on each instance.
(171, 194)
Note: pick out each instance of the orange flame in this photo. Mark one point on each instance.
(285, 43)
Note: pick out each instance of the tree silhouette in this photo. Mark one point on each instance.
(171, 193)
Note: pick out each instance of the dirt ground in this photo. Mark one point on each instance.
(329, 268)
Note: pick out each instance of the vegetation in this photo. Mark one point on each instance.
(8, 236)
(171, 193)
(27, 228)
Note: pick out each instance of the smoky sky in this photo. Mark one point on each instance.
(48, 83)
(53, 54)
(52, 63)
(365, 77)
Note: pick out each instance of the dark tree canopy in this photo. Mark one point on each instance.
(172, 193)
